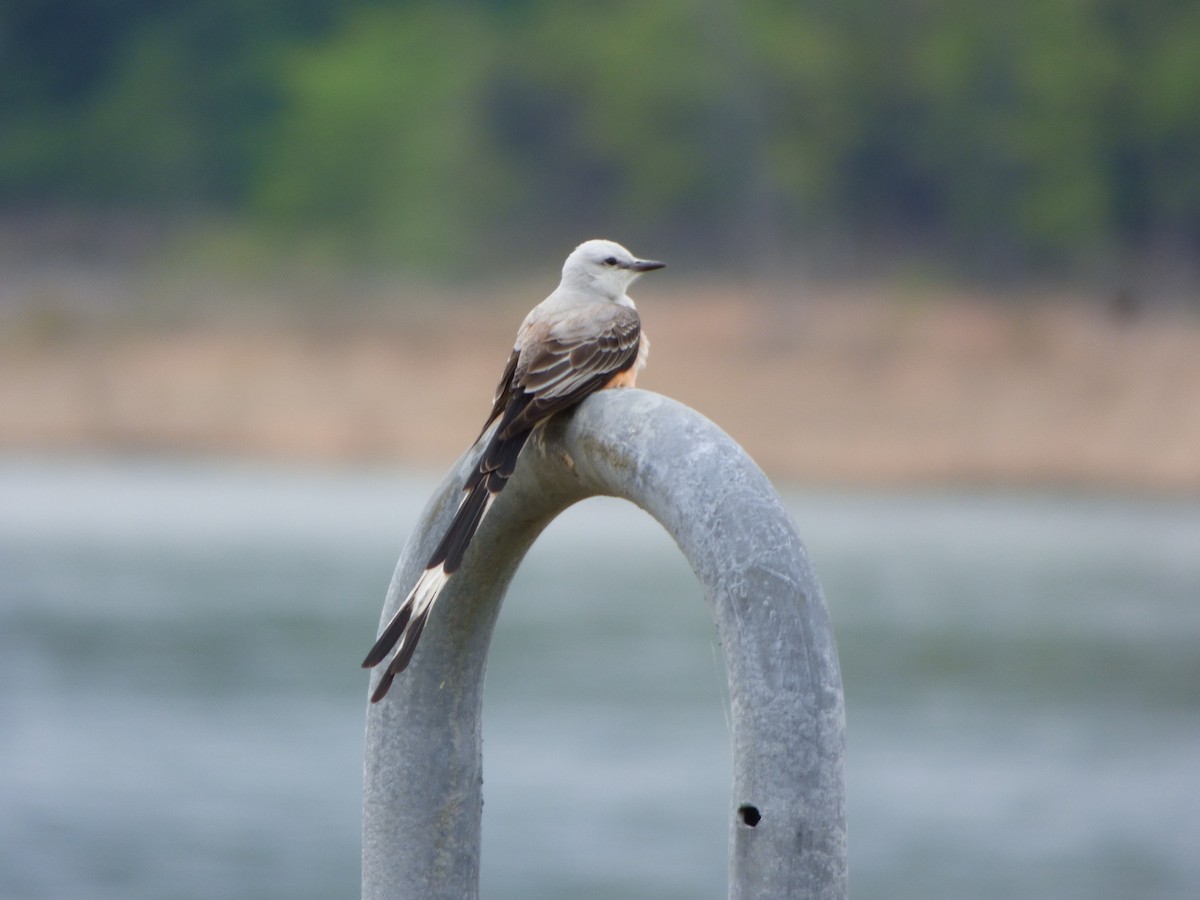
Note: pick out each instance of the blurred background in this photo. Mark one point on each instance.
(935, 265)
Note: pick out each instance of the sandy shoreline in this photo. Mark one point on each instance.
(833, 386)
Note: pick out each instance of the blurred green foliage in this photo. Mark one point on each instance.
(412, 130)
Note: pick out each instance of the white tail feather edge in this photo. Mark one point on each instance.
(421, 597)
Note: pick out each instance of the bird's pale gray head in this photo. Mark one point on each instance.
(606, 267)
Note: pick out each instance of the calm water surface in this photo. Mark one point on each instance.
(181, 707)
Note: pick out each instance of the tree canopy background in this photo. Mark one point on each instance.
(1026, 133)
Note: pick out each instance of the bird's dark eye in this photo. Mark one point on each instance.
(611, 261)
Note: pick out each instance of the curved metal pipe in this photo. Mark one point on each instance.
(422, 790)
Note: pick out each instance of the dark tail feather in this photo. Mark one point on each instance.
(498, 463)
(450, 551)
(400, 662)
(390, 635)
(503, 458)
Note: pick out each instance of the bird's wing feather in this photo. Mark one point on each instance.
(564, 360)
(503, 391)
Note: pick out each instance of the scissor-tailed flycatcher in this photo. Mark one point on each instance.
(584, 337)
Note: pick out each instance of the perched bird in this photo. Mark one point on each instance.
(584, 337)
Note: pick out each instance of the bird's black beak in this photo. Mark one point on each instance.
(647, 265)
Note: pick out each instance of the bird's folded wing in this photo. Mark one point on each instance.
(568, 359)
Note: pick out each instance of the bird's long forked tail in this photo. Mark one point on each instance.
(404, 629)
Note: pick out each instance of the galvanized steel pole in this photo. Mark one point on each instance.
(422, 791)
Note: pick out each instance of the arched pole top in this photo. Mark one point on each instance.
(422, 801)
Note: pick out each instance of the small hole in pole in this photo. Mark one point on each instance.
(749, 814)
